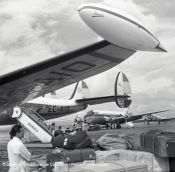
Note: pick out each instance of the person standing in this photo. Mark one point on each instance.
(18, 154)
(52, 129)
(58, 132)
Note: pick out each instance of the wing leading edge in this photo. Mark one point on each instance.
(122, 119)
(135, 117)
(41, 78)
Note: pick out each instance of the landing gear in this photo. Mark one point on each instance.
(119, 126)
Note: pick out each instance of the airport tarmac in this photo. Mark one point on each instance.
(134, 133)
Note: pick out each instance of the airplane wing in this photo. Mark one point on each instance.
(167, 119)
(136, 117)
(158, 117)
(41, 78)
(161, 120)
(151, 113)
(146, 114)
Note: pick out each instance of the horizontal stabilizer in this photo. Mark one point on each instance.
(99, 100)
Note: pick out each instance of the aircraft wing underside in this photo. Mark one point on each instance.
(41, 78)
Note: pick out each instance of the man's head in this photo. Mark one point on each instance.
(53, 124)
(17, 131)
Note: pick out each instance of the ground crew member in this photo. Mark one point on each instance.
(18, 154)
(59, 131)
(52, 129)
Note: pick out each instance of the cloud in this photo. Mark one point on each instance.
(155, 85)
(151, 74)
(40, 29)
(138, 12)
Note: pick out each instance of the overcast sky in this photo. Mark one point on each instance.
(42, 29)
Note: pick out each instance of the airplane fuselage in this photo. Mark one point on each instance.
(55, 111)
(46, 111)
(100, 120)
(103, 120)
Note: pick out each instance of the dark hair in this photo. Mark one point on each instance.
(15, 129)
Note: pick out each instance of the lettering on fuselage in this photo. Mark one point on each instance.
(34, 128)
(57, 109)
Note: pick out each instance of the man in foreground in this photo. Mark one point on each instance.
(18, 154)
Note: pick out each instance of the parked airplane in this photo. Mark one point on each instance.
(110, 118)
(50, 108)
(25, 84)
(155, 118)
(109, 113)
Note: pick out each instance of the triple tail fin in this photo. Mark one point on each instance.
(83, 91)
(74, 91)
(122, 88)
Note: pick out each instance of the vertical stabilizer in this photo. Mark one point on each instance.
(74, 91)
(122, 88)
(80, 91)
(85, 90)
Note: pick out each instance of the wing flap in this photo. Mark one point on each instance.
(41, 78)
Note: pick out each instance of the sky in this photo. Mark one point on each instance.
(40, 29)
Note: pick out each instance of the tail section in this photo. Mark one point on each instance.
(80, 91)
(74, 91)
(85, 90)
(122, 88)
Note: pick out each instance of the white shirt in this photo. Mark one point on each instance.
(18, 155)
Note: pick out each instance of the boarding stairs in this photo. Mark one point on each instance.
(33, 122)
